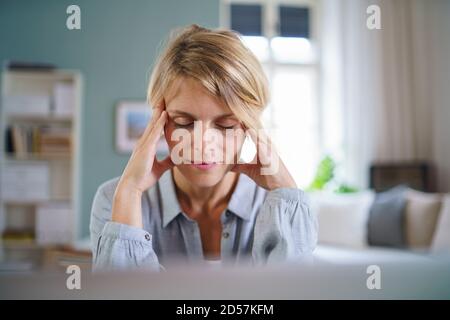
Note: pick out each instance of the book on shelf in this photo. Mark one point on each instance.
(24, 139)
(53, 227)
(15, 65)
(18, 236)
(54, 140)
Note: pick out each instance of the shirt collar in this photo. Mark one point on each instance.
(170, 206)
(242, 198)
(240, 202)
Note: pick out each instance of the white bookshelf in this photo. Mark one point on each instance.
(41, 182)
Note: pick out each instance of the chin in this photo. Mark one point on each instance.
(203, 177)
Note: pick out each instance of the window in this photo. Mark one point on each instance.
(280, 34)
(247, 19)
(294, 21)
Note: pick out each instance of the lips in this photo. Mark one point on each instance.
(204, 165)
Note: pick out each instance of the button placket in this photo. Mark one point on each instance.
(225, 225)
(227, 234)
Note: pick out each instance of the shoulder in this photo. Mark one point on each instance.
(102, 205)
(105, 192)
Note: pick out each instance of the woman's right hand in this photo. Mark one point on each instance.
(142, 172)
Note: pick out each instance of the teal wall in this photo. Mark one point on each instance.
(114, 50)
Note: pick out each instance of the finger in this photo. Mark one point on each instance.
(151, 122)
(264, 147)
(259, 137)
(145, 134)
(156, 114)
(157, 129)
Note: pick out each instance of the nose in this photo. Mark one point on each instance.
(207, 142)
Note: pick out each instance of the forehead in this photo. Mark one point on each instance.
(188, 95)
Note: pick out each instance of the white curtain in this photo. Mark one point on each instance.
(376, 84)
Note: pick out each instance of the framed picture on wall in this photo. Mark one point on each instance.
(132, 118)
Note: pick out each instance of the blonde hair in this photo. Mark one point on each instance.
(223, 65)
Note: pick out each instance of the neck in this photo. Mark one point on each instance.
(203, 199)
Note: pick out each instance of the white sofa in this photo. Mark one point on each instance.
(343, 228)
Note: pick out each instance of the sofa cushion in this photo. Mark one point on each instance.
(441, 237)
(386, 218)
(342, 218)
(421, 215)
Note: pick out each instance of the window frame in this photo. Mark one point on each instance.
(269, 27)
(270, 17)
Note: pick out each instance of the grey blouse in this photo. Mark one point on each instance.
(259, 226)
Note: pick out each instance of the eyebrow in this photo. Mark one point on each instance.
(190, 115)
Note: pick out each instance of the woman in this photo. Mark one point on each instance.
(205, 205)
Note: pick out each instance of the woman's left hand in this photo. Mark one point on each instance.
(266, 169)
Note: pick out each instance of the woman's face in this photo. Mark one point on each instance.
(201, 132)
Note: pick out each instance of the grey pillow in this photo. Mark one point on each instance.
(386, 218)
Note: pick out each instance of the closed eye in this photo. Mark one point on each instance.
(184, 125)
(225, 127)
(226, 123)
(183, 122)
